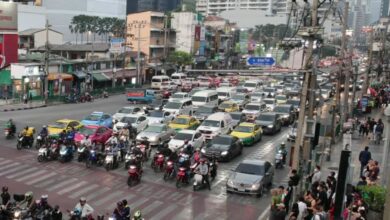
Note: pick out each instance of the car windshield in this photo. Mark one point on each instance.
(222, 94)
(129, 120)
(236, 116)
(281, 97)
(175, 77)
(252, 107)
(198, 99)
(238, 97)
(282, 109)
(93, 117)
(269, 101)
(266, 117)
(58, 125)
(293, 102)
(279, 87)
(87, 131)
(177, 96)
(125, 110)
(173, 105)
(181, 121)
(211, 123)
(257, 94)
(225, 105)
(269, 90)
(183, 136)
(156, 114)
(250, 85)
(245, 129)
(243, 90)
(221, 140)
(250, 169)
(204, 109)
(157, 129)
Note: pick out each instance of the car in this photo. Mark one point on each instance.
(194, 138)
(241, 89)
(325, 94)
(179, 96)
(184, 122)
(186, 87)
(156, 104)
(286, 113)
(270, 122)
(281, 99)
(205, 81)
(98, 118)
(204, 111)
(292, 133)
(253, 109)
(257, 96)
(228, 106)
(269, 91)
(194, 82)
(156, 134)
(97, 134)
(252, 85)
(250, 177)
(295, 102)
(139, 122)
(128, 110)
(215, 124)
(241, 99)
(280, 89)
(237, 118)
(197, 89)
(176, 107)
(63, 124)
(222, 148)
(248, 133)
(270, 104)
(159, 116)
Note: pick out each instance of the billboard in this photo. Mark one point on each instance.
(8, 17)
(116, 45)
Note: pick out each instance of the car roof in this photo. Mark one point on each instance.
(228, 102)
(236, 113)
(180, 93)
(204, 92)
(284, 105)
(65, 120)
(247, 124)
(183, 116)
(186, 131)
(225, 136)
(253, 161)
(132, 115)
(97, 113)
(218, 116)
(92, 126)
(157, 125)
(255, 103)
(272, 99)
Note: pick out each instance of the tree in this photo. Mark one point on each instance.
(180, 58)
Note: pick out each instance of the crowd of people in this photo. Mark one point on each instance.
(371, 128)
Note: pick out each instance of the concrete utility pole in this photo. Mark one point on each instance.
(344, 109)
(366, 83)
(47, 55)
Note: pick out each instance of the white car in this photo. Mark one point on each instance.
(215, 124)
(253, 109)
(179, 96)
(270, 103)
(128, 110)
(194, 138)
(176, 107)
(159, 117)
(194, 82)
(139, 122)
(257, 96)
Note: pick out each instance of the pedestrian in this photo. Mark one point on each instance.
(25, 98)
(316, 175)
(5, 196)
(322, 197)
(364, 157)
(280, 213)
(30, 97)
(56, 213)
(287, 196)
(294, 177)
(302, 208)
(379, 131)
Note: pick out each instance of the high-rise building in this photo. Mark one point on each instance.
(134, 6)
(385, 8)
(214, 7)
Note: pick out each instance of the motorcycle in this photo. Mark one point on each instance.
(66, 154)
(109, 161)
(54, 150)
(169, 170)
(82, 153)
(20, 214)
(279, 159)
(92, 159)
(135, 175)
(43, 154)
(24, 142)
(213, 170)
(181, 178)
(198, 185)
(146, 151)
(39, 142)
(158, 162)
(9, 133)
(131, 159)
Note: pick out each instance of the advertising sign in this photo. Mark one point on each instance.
(8, 17)
(116, 45)
(135, 93)
(197, 33)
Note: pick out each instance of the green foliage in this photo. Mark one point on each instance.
(374, 196)
(180, 58)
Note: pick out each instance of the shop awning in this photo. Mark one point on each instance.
(120, 74)
(100, 77)
(63, 76)
(5, 78)
(80, 74)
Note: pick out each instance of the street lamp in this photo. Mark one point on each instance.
(386, 165)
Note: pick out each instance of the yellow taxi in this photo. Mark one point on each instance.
(184, 122)
(248, 133)
(229, 106)
(63, 124)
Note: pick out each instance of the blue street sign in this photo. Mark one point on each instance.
(260, 61)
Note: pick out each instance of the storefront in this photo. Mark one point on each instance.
(5, 84)
(60, 84)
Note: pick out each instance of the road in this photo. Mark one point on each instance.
(66, 183)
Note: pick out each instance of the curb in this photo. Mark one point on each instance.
(22, 108)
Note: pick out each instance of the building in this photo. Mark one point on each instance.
(252, 18)
(214, 7)
(384, 8)
(35, 37)
(135, 6)
(184, 23)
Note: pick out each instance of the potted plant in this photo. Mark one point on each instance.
(374, 196)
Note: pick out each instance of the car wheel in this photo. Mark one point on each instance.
(260, 194)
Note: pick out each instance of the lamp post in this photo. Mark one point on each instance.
(386, 214)
(138, 24)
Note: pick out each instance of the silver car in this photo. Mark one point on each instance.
(250, 177)
(156, 134)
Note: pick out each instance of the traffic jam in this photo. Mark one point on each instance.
(179, 126)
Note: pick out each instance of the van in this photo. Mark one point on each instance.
(215, 124)
(178, 78)
(226, 93)
(205, 97)
(252, 85)
(178, 107)
(160, 82)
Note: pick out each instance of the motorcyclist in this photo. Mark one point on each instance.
(114, 149)
(132, 131)
(11, 125)
(124, 133)
(28, 200)
(213, 166)
(28, 133)
(113, 140)
(56, 214)
(196, 156)
(122, 146)
(138, 215)
(62, 136)
(174, 158)
(70, 136)
(164, 150)
(118, 211)
(5, 196)
(44, 133)
(86, 142)
(41, 205)
(139, 155)
(185, 163)
(84, 208)
(284, 151)
(126, 210)
(203, 169)
(188, 149)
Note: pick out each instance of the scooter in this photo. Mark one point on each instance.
(135, 175)
(110, 162)
(198, 185)
(82, 153)
(43, 154)
(20, 214)
(169, 170)
(279, 159)
(39, 142)
(181, 178)
(24, 142)
(66, 154)
(92, 159)
(158, 162)
(8, 133)
(213, 170)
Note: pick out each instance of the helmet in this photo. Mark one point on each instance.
(282, 144)
(197, 149)
(87, 136)
(5, 189)
(83, 199)
(138, 214)
(120, 203)
(44, 126)
(28, 195)
(44, 197)
(26, 128)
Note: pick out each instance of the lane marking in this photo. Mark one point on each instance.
(264, 214)
(41, 178)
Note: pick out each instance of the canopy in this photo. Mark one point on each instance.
(63, 76)
(5, 77)
(80, 74)
(100, 77)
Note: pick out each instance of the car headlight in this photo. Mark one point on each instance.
(285, 116)
(270, 126)
(317, 99)
(224, 153)
(230, 183)
(256, 186)
(153, 138)
(203, 151)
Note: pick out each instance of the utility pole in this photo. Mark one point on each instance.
(344, 109)
(368, 71)
(47, 55)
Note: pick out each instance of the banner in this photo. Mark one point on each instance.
(8, 17)
(197, 33)
(116, 45)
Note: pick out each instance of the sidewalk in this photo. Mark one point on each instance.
(16, 106)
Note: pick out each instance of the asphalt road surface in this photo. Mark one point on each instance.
(66, 183)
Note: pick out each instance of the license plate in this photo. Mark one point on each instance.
(241, 189)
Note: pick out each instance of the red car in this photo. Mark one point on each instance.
(97, 134)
